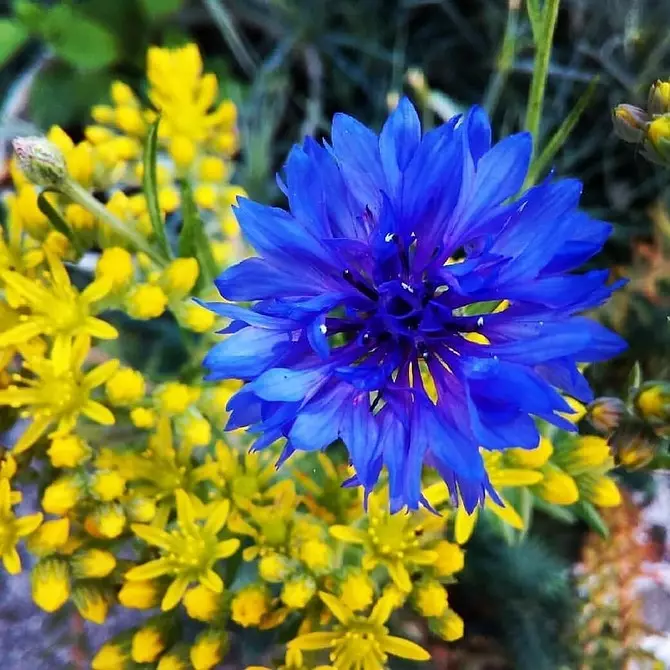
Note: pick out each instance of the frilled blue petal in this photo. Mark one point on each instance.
(356, 306)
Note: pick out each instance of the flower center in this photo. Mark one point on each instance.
(401, 306)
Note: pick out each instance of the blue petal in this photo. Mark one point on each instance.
(360, 433)
(398, 141)
(288, 385)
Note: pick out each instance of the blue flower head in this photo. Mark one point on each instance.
(411, 305)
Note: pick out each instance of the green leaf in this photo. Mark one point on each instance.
(78, 40)
(155, 9)
(30, 14)
(534, 16)
(588, 513)
(635, 377)
(193, 239)
(558, 512)
(150, 187)
(12, 37)
(56, 219)
(561, 135)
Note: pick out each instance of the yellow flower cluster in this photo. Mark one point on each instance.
(145, 504)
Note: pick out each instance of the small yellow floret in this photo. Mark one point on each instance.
(50, 581)
(450, 558)
(174, 398)
(61, 496)
(249, 606)
(107, 485)
(93, 564)
(115, 264)
(68, 451)
(198, 319)
(298, 591)
(147, 645)
(180, 276)
(201, 603)
(125, 387)
(147, 301)
(430, 598)
(139, 595)
(557, 487)
(143, 417)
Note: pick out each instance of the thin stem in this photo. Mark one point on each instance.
(505, 59)
(82, 197)
(541, 69)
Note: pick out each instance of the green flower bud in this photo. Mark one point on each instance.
(605, 414)
(41, 161)
(629, 123)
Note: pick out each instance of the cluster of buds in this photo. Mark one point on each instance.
(650, 128)
(635, 429)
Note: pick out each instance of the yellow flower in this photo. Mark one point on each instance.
(142, 509)
(62, 494)
(92, 564)
(148, 642)
(557, 487)
(107, 485)
(80, 219)
(140, 594)
(125, 387)
(357, 641)
(116, 266)
(50, 581)
(188, 553)
(68, 451)
(599, 489)
(197, 431)
(316, 555)
(298, 591)
(450, 558)
(208, 649)
(184, 96)
(56, 390)
(49, 537)
(24, 207)
(56, 308)
(395, 541)
(176, 659)
(356, 590)
(202, 603)
(531, 458)
(91, 602)
(430, 598)
(107, 520)
(12, 529)
(178, 278)
(250, 605)
(147, 301)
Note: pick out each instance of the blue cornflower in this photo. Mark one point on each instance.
(410, 305)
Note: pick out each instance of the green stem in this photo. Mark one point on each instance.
(82, 197)
(541, 69)
(505, 58)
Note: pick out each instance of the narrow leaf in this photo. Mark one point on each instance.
(535, 17)
(588, 513)
(57, 220)
(150, 187)
(193, 239)
(563, 514)
(13, 35)
(559, 138)
(635, 377)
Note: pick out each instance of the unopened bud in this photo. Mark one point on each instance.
(658, 138)
(629, 123)
(40, 160)
(659, 98)
(652, 402)
(605, 414)
(633, 445)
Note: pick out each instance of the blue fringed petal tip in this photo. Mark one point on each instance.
(410, 304)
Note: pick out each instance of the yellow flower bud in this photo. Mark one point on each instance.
(103, 114)
(174, 398)
(658, 133)
(213, 169)
(168, 199)
(430, 598)
(146, 301)
(653, 401)
(587, 452)
(249, 605)
(50, 582)
(36, 224)
(298, 591)
(142, 510)
(115, 264)
(180, 276)
(201, 603)
(79, 218)
(450, 558)
(125, 387)
(205, 196)
(111, 656)
(108, 520)
(230, 225)
(140, 595)
(227, 143)
(356, 590)
(107, 485)
(197, 431)
(557, 487)
(198, 319)
(274, 568)
(122, 94)
(57, 243)
(659, 98)
(450, 627)
(129, 120)
(182, 151)
(68, 451)
(629, 123)
(174, 660)
(92, 564)
(91, 602)
(62, 495)
(604, 492)
(49, 537)
(143, 417)
(316, 555)
(605, 414)
(147, 644)
(208, 650)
